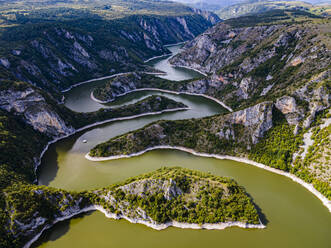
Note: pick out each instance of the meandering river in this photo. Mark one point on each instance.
(294, 217)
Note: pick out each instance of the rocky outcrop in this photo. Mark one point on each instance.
(317, 95)
(246, 86)
(257, 118)
(34, 110)
(56, 56)
(218, 134)
(143, 188)
(119, 85)
(293, 113)
(210, 16)
(222, 45)
(158, 198)
(252, 63)
(42, 207)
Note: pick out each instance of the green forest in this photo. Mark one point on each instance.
(205, 198)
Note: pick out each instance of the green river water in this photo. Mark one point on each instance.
(294, 217)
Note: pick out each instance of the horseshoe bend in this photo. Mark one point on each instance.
(161, 122)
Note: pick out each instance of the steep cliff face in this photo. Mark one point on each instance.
(258, 118)
(32, 107)
(32, 209)
(221, 45)
(236, 131)
(247, 64)
(53, 57)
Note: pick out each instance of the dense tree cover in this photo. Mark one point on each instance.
(20, 147)
(140, 80)
(277, 147)
(201, 135)
(26, 202)
(314, 168)
(41, 44)
(36, 11)
(205, 198)
(198, 134)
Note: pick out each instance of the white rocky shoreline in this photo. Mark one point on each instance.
(157, 57)
(164, 55)
(154, 225)
(62, 218)
(308, 186)
(165, 91)
(123, 73)
(38, 162)
(157, 226)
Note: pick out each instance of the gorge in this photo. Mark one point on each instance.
(121, 122)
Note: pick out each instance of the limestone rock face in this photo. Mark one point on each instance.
(318, 98)
(4, 62)
(144, 188)
(258, 118)
(226, 133)
(222, 45)
(210, 16)
(287, 105)
(245, 87)
(35, 111)
(57, 57)
(256, 63)
(67, 206)
(197, 87)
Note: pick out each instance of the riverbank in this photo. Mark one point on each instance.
(94, 79)
(37, 164)
(165, 55)
(308, 186)
(190, 68)
(151, 224)
(158, 57)
(165, 91)
(123, 73)
(36, 237)
(156, 226)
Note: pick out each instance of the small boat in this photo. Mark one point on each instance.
(84, 141)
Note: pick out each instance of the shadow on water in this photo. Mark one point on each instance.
(262, 216)
(57, 231)
(51, 157)
(47, 171)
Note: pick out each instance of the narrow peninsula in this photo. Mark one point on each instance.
(169, 196)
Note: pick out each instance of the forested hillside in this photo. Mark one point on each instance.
(273, 70)
(54, 45)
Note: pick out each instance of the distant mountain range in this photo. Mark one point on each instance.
(228, 9)
(254, 7)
